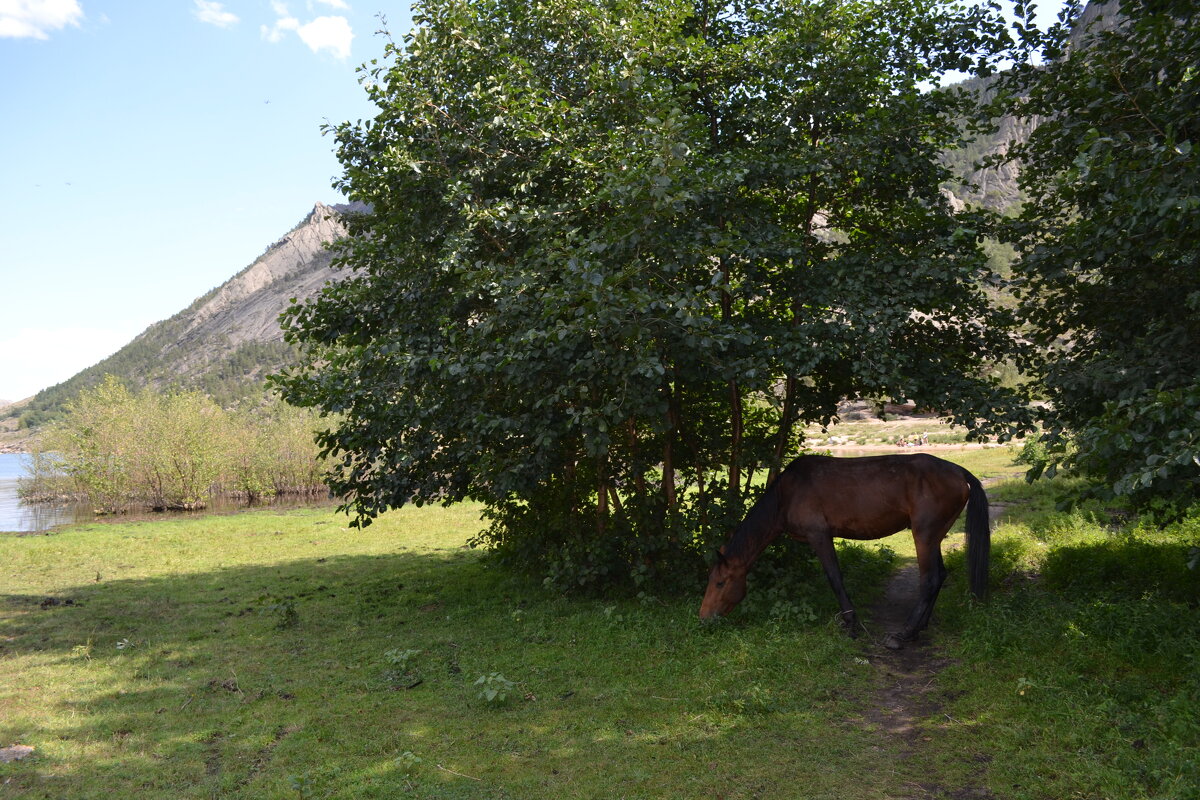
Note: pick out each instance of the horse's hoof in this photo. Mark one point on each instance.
(893, 642)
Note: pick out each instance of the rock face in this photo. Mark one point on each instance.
(993, 187)
(244, 311)
(996, 187)
(1096, 18)
(300, 248)
(246, 308)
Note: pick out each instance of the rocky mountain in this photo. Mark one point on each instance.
(244, 311)
(229, 339)
(993, 187)
(1096, 18)
(996, 187)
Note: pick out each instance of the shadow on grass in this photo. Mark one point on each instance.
(356, 676)
(1089, 644)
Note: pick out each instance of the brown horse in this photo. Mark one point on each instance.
(817, 498)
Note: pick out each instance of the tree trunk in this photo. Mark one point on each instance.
(639, 477)
(618, 508)
(735, 392)
(735, 439)
(602, 496)
(787, 421)
(668, 480)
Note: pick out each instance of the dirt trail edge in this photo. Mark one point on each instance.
(906, 707)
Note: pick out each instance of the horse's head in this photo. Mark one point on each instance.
(726, 587)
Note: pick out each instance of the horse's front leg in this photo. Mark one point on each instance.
(822, 545)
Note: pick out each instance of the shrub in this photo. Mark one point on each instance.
(1136, 564)
(121, 450)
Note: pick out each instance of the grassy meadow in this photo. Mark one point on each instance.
(283, 655)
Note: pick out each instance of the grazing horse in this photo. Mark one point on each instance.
(817, 498)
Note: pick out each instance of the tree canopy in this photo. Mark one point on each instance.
(619, 252)
(1110, 248)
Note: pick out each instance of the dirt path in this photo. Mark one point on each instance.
(906, 706)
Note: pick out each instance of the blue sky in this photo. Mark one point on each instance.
(151, 150)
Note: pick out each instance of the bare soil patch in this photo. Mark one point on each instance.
(906, 707)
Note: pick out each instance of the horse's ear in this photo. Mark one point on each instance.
(721, 559)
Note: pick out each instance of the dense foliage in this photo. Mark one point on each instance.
(619, 251)
(121, 449)
(1110, 248)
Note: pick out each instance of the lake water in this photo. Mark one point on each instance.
(17, 517)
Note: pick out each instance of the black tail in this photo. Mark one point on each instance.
(979, 537)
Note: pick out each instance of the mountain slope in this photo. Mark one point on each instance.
(993, 187)
(227, 340)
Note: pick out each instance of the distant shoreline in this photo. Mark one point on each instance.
(16, 441)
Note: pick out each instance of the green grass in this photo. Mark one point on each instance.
(1081, 674)
(282, 655)
(263, 655)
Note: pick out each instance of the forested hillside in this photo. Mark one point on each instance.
(225, 342)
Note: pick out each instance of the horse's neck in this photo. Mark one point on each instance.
(749, 541)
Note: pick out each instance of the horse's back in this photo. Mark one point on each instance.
(870, 496)
(819, 471)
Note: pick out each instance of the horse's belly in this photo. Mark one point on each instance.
(866, 523)
(864, 533)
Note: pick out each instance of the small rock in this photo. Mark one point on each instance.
(14, 753)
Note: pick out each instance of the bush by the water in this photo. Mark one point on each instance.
(120, 450)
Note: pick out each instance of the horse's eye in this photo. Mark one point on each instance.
(720, 584)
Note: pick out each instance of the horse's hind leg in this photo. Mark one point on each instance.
(932, 576)
(827, 555)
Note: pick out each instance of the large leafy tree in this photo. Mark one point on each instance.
(1110, 241)
(619, 251)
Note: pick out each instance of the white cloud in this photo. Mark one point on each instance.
(328, 33)
(282, 25)
(214, 14)
(35, 19)
(332, 34)
(340, 5)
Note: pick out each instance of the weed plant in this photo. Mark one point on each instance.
(119, 451)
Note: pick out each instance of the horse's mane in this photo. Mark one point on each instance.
(746, 542)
